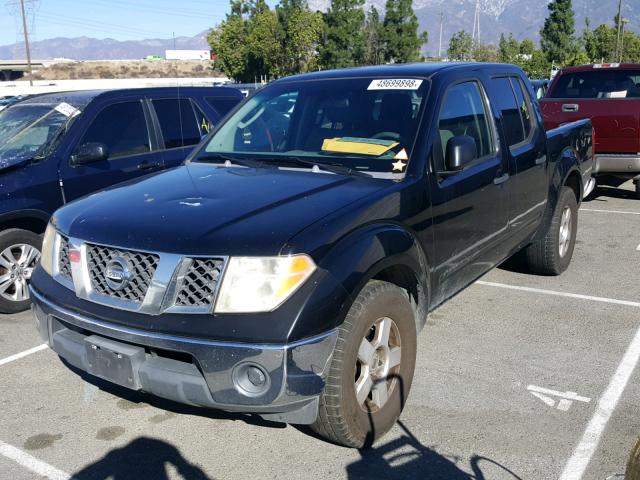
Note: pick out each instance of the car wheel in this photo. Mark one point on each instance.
(19, 256)
(551, 254)
(633, 465)
(372, 368)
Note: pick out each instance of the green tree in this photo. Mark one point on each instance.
(556, 36)
(374, 38)
(535, 65)
(402, 41)
(460, 46)
(343, 44)
(226, 41)
(508, 49)
(527, 47)
(300, 33)
(485, 52)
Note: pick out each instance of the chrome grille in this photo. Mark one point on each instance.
(142, 266)
(198, 287)
(64, 264)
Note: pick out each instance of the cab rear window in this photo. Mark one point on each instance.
(602, 83)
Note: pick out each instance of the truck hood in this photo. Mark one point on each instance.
(204, 209)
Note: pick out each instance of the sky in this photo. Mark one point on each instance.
(118, 19)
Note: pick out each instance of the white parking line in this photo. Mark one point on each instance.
(20, 355)
(578, 462)
(561, 294)
(608, 211)
(31, 463)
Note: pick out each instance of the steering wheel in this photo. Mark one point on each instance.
(386, 136)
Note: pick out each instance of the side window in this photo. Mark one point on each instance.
(122, 127)
(203, 122)
(511, 119)
(222, 105)
(177, 122)
(524, 105)
(463, 112)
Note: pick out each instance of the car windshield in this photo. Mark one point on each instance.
(27, 131)
(357, 124)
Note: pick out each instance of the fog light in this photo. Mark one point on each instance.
(251, 379)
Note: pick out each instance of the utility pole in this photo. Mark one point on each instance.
(476, 25)
(440, 44)
(623, 21)
(618, 36)
(26, 42)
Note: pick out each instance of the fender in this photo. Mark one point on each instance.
(370, 250)
(565, 166)
(18, 217)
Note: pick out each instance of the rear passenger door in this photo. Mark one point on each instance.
(125, 129)
(470, 207)
(182, 124)
(524, 144)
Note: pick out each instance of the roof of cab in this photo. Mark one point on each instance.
(81, 98)
(425, 70)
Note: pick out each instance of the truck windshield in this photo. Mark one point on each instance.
(26, 131)
(363, 124)
(600, 83)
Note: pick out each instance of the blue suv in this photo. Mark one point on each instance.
(58, 147)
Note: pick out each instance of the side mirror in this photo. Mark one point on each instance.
(89, 153)
(461, 150)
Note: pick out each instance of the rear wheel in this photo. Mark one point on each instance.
(551, 254)
(19, 256)
(633, 465)
(372, 367)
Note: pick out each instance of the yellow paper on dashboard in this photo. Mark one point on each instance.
(361, 146)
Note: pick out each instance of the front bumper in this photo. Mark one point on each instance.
(193, 371)
(626, 165)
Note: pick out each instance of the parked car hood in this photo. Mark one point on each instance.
(205, 209)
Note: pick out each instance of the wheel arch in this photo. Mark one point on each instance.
(32, 220)
(386, 252)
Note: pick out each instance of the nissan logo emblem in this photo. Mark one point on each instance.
(118, 273)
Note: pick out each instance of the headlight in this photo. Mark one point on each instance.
(260, 284)
(46, 257)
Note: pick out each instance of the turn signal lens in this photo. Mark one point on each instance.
(261, 284)
(46, 256)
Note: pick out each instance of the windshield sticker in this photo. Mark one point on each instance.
(395, 84)
(67, 110)
(362, 146)
(401, 155)
(399, 166)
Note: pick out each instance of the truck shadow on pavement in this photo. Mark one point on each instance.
(142, 458)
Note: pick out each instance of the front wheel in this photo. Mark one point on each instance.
(19, 256)
(551, 254)
(372, 367)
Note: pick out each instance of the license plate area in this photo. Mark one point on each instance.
(114, 361)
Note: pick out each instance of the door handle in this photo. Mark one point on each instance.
(541, 160)
(570, 107)
(148, 165)
(502, 179)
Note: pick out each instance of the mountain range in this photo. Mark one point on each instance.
(523, 18)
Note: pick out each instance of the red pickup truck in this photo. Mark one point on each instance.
(608, 94)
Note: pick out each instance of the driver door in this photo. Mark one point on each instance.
(470, 205)
(126, 131)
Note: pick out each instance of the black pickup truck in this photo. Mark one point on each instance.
(288, 266)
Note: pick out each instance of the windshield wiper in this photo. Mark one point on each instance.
(329, 167)
(245, 162)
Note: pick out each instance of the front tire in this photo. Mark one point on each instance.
(19, 256)
(372, 368)
(551, 254)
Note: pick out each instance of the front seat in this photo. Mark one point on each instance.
(396, 112)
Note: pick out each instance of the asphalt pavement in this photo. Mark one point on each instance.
(518, 377)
